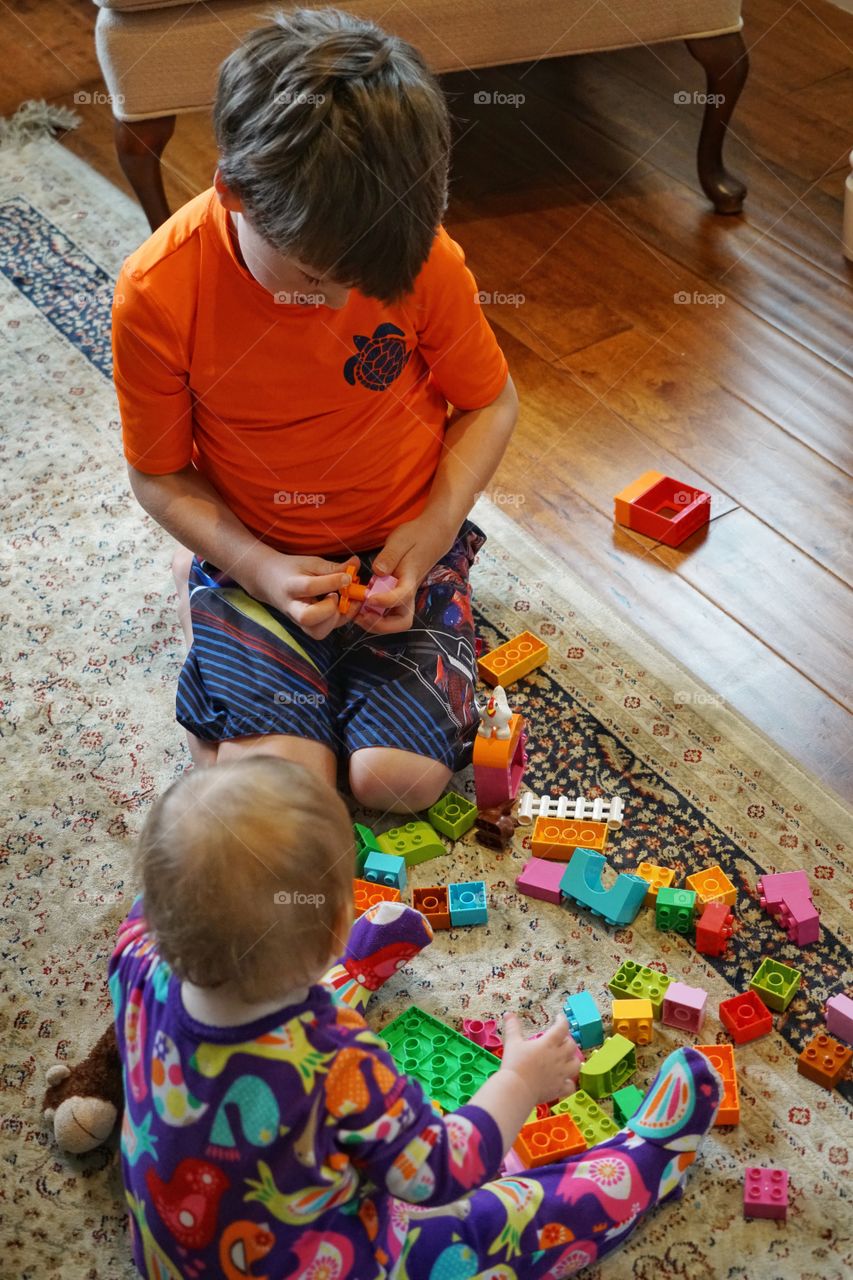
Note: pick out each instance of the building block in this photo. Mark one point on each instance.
(483, 1032)
(594, 1123)
(776, 984)
(662, 508)
(824, 1061)
(452, 815)
(512, 660)
(746, 1017)
(547, 1141)
(385, 868)
(675, 909)
(540, 878)
(765, 1193)
(365, 842)
(801, 922)
(712, 885)
(584, 1019)
(494, 827)
(559, 837)
(633, 1019)
(839, 1017)
(626, 1103)
(577, 808)
(499, 765)
(684, 1007)
(468, 903)
(656, 878)
(450, 1067)
(432, 901)
(633, 981)
(609, 1067)
(367, 894)
(581, 882)
(414, 841)
(722, 1056)
(714, 929)
(787, 896)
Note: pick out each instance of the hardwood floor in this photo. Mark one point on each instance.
(584, 199)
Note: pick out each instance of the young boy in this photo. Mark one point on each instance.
(305, 375)
(267, 1132)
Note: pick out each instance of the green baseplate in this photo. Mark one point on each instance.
(448, 1065)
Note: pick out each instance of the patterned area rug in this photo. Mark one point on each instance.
(92, 656)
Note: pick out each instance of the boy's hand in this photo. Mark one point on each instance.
(410, 552)
(548, 1064)
(304, 588)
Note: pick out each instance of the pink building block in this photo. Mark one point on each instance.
(684, 1006)
(839, 1017)
(540, 878)
(483, 1031)
(787, 896)
(765, 1193)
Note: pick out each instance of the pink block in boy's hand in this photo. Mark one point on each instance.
(541, 878)
(378, 583)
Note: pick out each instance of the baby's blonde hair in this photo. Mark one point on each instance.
(247, 874)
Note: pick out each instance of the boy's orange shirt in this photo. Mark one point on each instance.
(321, 429)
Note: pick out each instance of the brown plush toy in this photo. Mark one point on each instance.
(85, 1101)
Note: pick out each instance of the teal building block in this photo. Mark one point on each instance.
(626, 1103)
(468, 903)
(634, 981)
(776, 984)
(581, 882)
(449, 1067)
(609, 1067)
(594, 1124)
(385, 868)
(452, 815)
(584, 1020)
(675, 909)
(365, 842)
(414, 841)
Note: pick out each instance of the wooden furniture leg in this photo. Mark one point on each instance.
(726, 64)
(139, 145)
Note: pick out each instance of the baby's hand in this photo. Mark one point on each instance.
(548, 1064)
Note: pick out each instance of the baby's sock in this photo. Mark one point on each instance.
(380, 943)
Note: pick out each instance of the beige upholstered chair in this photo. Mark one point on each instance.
(160, 58)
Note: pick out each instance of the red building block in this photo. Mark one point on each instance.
(765, 1193)
(484, 1032)
(432, 902)
(547, 1141)
(746, 1017)
(662, 508)
(824, 1061)
(714, 929)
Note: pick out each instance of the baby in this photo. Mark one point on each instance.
(267, 1131)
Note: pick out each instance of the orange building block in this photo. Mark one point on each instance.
(512, 660)
(824, 1061)
(496, 753)
(722, 1056)
(622, 501)
(367, 894)
(557, 838)
(547, 1141)
(658, 878)
(712, 885)
(432, 902)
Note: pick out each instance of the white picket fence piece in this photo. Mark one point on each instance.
(575, 808)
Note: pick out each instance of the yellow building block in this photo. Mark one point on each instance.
(712, 885)
(512, 660)
(658, 878)
(633, 1019)
(557, 838)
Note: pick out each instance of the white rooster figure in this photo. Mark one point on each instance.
(496, 713)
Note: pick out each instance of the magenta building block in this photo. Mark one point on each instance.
(540, 878)
(788, 898)
(801, 921)
(774, 888)
(684, 1006)
(483, 1031)
(765, 1193)
(839, 1017)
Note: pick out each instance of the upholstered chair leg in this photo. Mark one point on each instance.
(726, 63)
(139, 144)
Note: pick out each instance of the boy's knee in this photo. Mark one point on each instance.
(181, 561)
(394, 781)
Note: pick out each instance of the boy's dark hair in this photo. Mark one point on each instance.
(336, 138)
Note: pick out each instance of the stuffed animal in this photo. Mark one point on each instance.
(84, 1101)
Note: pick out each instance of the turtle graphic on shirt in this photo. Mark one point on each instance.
(378, 360)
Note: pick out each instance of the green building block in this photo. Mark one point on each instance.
(365, 843)
(609, 1067)
(594, 1124)
(635, 982)
(675, 909)
(448, 1065)
(776, 984)
(452, 815)
(414, 841)
(626, 1103)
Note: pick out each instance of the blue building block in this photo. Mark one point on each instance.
(468, 903)
(584, 1020)
(385, 868)
(581, 882)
